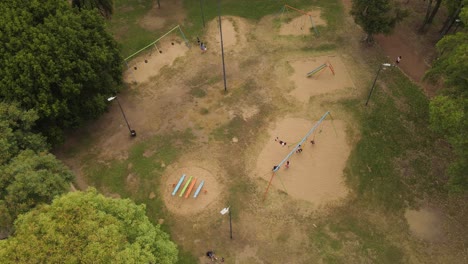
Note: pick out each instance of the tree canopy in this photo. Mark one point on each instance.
(29, 175)
(376, 16)
(449, 110)
(57, 60)
(105, 7)
(16, 132)
(86, 227)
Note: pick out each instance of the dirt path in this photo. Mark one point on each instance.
(417, 51)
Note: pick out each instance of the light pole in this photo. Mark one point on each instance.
(223, 212)
(202, 14)
(222, 46)
(375, 80)
(132, 132)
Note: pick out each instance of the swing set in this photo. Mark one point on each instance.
(297, 146)
(154, 45)
(306, 15)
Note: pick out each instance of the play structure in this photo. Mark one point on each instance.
(307, 16)
(189, 186)
(319, 69)
(298, 146)
(154, 46)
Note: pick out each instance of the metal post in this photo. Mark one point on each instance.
(230, 223)
(132, 132)
(159, 5)
(202, 14)
(373, 85)
(222, 46)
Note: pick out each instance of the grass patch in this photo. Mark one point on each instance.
(197, 92)
(394, 128)
(254, 10)
(145, 164)
(124, 25)
(204, 111)
(349, 239)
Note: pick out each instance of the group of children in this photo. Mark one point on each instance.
(298, 150)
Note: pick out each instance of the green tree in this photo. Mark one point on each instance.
(28, 175)
(105, 7)
(431, 11)
(16, 132)
(376, 16)
(454, 8)
(60, 62)
(86, 227)
(31, 179)
(449, 110)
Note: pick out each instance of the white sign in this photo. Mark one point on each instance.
(225, 211)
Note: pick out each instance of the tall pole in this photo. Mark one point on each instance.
(159, 5)
(222, 46)
(373, 85)
(132, 132)
(230, 223)
(202, 14)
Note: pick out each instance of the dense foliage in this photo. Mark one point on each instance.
(58, 61)
(105, 7)
(86, 227)
(376, 16)
(449, 110)
(29, 176)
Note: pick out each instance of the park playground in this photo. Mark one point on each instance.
(282, 77)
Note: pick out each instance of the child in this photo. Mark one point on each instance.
(287, 164)
(203, 47)
(398, 59)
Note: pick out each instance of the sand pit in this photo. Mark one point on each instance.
(321, 82)
(316, 174)
(425, 224)
(185, 206)
(302, 25)
(148, 64)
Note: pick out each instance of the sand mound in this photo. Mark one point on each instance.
(316, 174)
(425, 223)
(302, 25)
(181, 205)
(321, 82)
(234, 34)
(148, 64)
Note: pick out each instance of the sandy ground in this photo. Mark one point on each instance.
(233, 42)
(321, 82)
(316, 174)
(302, 25)
(184, 206)
(425, 224)
(149, 64)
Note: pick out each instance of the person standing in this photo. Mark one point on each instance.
(397, 61)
